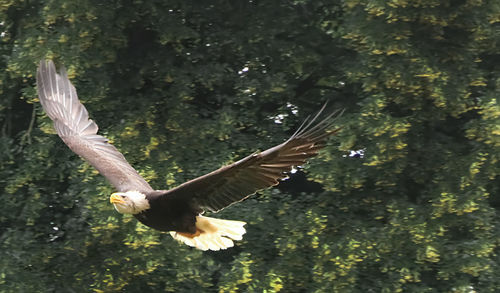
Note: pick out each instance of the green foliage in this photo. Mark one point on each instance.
(182, 87)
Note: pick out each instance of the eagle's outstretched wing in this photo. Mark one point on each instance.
(233, 183)
(71, 121)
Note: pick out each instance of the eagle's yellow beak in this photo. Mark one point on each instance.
(116, 198)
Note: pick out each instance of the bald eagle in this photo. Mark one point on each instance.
(178, 210)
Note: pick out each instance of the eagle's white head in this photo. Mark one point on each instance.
(130, 202)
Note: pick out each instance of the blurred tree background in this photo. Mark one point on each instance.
(404, 199)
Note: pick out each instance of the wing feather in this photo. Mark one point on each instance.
(71, 121)
(235, 182)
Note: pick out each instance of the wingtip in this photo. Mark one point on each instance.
(312, 126)
(45, 63)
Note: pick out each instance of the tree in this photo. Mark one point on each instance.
(404, 199)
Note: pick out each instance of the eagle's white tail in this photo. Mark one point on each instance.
(213, 234)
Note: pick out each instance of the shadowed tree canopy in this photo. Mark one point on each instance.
(404, 199)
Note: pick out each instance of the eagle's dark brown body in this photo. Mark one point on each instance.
(169, 212)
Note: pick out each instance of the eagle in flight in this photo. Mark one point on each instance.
(178, 210)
